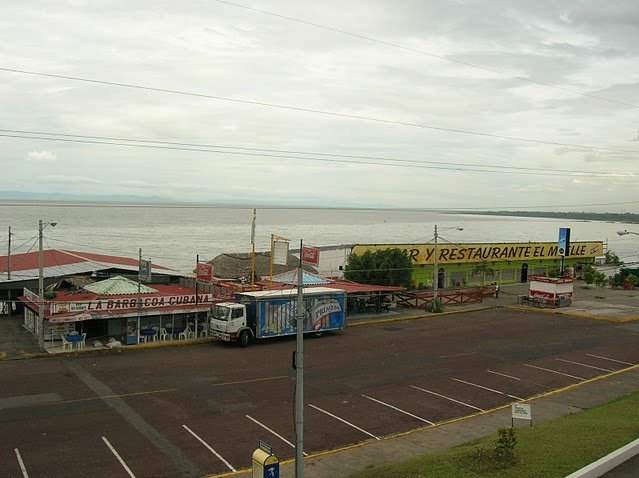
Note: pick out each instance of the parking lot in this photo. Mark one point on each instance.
(200, 410)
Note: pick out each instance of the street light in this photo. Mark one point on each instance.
(41, 226)
(626, 231)
(435, 265)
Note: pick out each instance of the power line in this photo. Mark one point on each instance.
(313, 153)
(427, 53)
(462, 167)
(316, 111)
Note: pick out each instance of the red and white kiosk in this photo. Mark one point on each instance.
(551, 291)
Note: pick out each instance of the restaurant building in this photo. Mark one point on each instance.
(119, 309)
(475, 264)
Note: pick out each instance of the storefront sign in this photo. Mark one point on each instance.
(310, 255)
(422, 254)
(204, 272)
(129, 303)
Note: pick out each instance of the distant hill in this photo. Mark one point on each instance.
(626, 217)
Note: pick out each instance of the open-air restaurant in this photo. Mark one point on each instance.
(118, 311)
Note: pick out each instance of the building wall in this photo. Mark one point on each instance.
(456, 262)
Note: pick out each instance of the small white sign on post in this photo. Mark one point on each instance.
(523, 411)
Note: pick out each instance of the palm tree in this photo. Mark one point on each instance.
(484, 269)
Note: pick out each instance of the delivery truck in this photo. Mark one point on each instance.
(273, 313)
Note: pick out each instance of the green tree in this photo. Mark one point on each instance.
(588, 273)
(632, 280)
(600, 279)
(612, 259)
(383, 267)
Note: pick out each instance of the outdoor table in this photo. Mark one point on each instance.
(74, 340)
(174, 330)
(148, 333)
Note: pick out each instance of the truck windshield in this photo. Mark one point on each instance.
(221, 313)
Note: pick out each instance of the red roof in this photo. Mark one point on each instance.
(64, 263)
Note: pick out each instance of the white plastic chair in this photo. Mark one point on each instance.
(186, 333)
(155, 336)
(65, 343)
(164, 335)
(81, 344)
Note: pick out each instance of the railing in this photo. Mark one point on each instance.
(423, 299)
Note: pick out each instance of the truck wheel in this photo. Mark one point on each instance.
(244, 338)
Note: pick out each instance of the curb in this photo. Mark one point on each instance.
(106, 350)
(419, 317)
(577, 315)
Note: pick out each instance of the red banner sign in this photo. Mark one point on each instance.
(310, 255)
(204, 272)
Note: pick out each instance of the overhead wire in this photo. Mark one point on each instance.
(427, 53)
(137, 141)
(381, 162)
(317, 111)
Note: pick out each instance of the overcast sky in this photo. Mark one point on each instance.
(426, 75)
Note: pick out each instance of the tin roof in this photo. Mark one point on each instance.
(58, 263)
(291, 277)
(118, 285)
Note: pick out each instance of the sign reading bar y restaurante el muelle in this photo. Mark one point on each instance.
(422, 254)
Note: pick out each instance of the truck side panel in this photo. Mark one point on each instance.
(277, 316)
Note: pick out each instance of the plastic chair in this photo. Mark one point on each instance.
(186, 333)
(81, 344)
(154, 337)
(164, 335)
(66, 344)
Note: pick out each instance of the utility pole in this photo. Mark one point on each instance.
(41, 226)
(435, 273)
(9, 256)
(299, 374)
(9, 273)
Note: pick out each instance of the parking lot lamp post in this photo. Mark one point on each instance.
(41, 226)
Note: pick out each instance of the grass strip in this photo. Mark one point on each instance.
(552, 449)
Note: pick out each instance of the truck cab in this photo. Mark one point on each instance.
(228, 323)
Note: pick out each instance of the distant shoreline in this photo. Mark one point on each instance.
(628, 218)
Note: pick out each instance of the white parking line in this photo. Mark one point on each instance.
(273, 432)
(117, 455)
(22, 467)
(489, 389)
(447, 398)
(210, 448)
(398, 409)
(344, 421)
(611, 359)
(554, 371)
(503, 375)
(585, 365)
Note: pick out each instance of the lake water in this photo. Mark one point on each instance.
(173, 235)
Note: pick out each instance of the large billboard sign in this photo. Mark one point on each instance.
(423, 254)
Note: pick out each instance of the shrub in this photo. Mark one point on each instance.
(502, 455)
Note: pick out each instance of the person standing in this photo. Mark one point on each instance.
(496, 291)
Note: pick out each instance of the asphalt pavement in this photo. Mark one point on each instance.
(615, 306)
